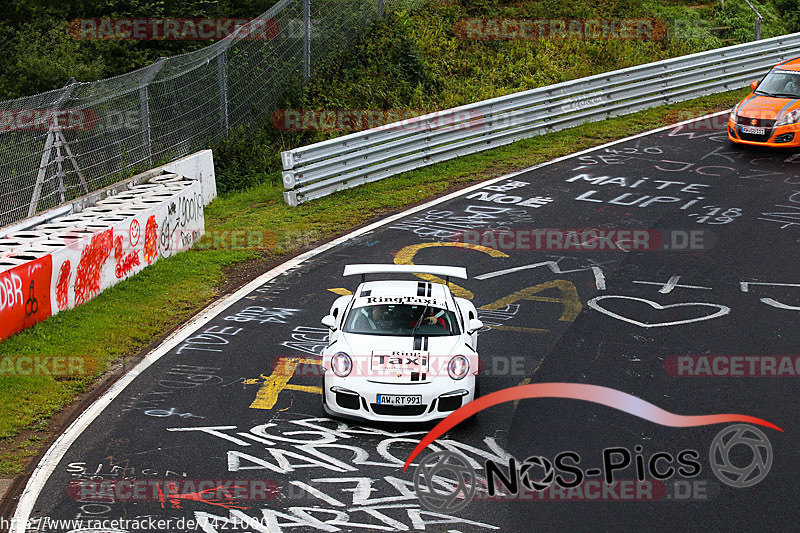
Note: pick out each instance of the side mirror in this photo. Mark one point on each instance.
(474, 325)
(754, 85)
(330, 321)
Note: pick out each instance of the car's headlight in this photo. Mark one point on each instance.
(341, 364)
(458, 367)
(734, 111)
(789, 118)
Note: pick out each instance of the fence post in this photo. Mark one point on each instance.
(380, 9)
(306, 40)
(759, 18)
(144, 104)
(222, 81)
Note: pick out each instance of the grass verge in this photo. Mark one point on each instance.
(126, 319)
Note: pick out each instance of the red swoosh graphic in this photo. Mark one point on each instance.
(579, 391)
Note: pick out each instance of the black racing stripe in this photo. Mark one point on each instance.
(417, 343)
(430, 288)
(425, 343)
(421, 289)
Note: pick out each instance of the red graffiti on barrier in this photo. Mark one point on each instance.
(150, 240)
(93, 257)
(124, 266)
(133, 232)
(62, 285)
(118, 251)
(25, 295)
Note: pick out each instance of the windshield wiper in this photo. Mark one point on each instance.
(777, 95)
(419, 322)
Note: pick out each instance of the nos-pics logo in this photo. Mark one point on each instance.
(445, 481)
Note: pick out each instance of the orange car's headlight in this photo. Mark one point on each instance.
(734, 111)
(789, 118)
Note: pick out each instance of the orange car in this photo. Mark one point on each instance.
(770, 115)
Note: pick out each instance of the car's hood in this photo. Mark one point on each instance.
(766, 107)
(389, 359)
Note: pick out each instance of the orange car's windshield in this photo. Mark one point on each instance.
(780, 84)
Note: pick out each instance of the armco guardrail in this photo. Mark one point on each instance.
(320, 169)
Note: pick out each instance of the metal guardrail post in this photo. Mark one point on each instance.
(222, 81)
(380, 9)
(144, 104)
(306, 40)
(759, 18)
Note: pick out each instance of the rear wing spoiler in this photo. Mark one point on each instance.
(446, 271)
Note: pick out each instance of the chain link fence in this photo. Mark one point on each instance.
(62, 144)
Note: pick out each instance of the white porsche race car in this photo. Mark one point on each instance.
(400, 351)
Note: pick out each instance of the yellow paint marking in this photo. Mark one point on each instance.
(267, 395)
(524, 382)
(519, 328)
(528, 380)
(406, 257)
(569, 298)
(341, 291)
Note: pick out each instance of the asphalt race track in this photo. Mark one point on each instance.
(239, 399)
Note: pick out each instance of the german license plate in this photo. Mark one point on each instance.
(395, 399)
(753, 130)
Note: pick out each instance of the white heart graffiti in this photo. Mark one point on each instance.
(722, 310)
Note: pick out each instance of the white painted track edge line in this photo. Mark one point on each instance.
(56, 452)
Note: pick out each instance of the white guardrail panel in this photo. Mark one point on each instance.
(320, 169)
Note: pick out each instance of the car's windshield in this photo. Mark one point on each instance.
(401, 320)
(781, 84)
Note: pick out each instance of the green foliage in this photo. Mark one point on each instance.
(789, 12)
(780, 17)
(414, 59)
(40, 55)
(244, 157)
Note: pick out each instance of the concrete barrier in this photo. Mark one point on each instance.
(64, 261)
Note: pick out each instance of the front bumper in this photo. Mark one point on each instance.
(787, 136)
(356, 398)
